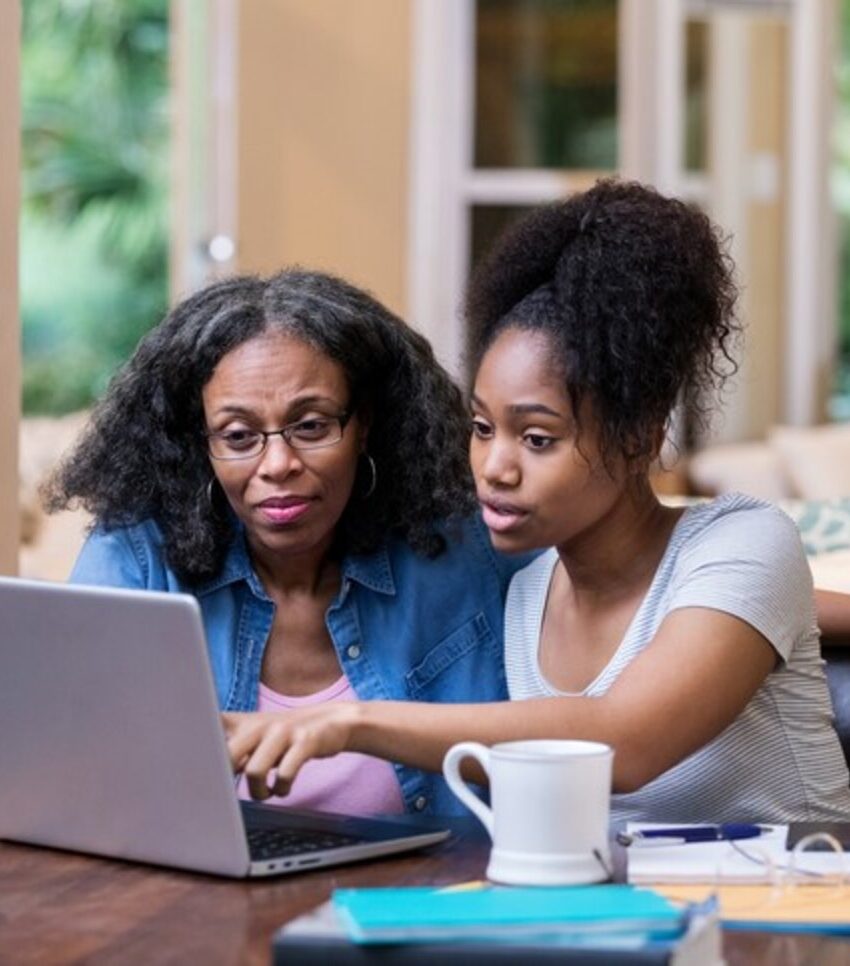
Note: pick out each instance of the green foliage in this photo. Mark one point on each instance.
(94, 232)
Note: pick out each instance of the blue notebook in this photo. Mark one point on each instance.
(505, 913)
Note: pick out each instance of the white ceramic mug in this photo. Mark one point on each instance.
(551, 804)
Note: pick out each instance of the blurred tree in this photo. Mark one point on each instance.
(94, 225)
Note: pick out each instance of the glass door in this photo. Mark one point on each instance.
(726, 104)
(522, 109)
(545, 106)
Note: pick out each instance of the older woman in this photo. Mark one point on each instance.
(290, 452)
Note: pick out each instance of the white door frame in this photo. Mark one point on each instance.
(444, 184)
(811, 250)
(440, 149)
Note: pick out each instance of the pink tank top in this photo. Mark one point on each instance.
(350, 783)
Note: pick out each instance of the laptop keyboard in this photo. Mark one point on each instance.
(270, 843)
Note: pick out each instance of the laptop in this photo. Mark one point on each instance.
(112, 743)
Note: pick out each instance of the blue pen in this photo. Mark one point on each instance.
(693, 833)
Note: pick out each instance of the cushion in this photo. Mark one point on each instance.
(753, 468)
(816, 459)
(824, 525)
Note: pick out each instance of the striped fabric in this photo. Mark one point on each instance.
(780, 760)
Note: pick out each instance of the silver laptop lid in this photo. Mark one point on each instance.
(111, 741)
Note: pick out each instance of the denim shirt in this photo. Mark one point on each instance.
(404, 626)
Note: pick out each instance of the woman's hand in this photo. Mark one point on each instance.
(261, 742)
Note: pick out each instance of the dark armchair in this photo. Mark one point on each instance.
(837, 656)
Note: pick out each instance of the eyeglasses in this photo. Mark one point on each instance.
(245, 444)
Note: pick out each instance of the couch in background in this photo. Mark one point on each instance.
(806, 471)
(809, 463)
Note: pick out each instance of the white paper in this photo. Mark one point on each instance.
(762, 859)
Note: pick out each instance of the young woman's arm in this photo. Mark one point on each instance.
(833, 610)
(691, 682)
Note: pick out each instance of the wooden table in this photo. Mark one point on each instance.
(58, 907)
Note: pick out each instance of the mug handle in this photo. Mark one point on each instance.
(451, 770)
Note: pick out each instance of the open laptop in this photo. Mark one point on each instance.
(111, 743)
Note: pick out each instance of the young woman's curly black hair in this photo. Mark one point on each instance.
(144, 454)
(636, 295)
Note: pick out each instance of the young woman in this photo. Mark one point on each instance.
(684, 639)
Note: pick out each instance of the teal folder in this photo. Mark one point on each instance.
(507, 913)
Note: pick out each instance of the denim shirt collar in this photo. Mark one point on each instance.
(373, 570)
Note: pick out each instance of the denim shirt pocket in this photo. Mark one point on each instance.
(471, 652)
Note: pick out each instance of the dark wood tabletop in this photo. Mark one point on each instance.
(58, 907)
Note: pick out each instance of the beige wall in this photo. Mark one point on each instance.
(764, 294)
(10, 367)
(323, 139)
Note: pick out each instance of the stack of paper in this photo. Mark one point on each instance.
(757, 860)
(805, 908)
(757, 882)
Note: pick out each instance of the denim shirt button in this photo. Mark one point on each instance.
(420, 803)
(353, 651)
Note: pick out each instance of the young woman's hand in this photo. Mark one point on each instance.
(269, 747)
